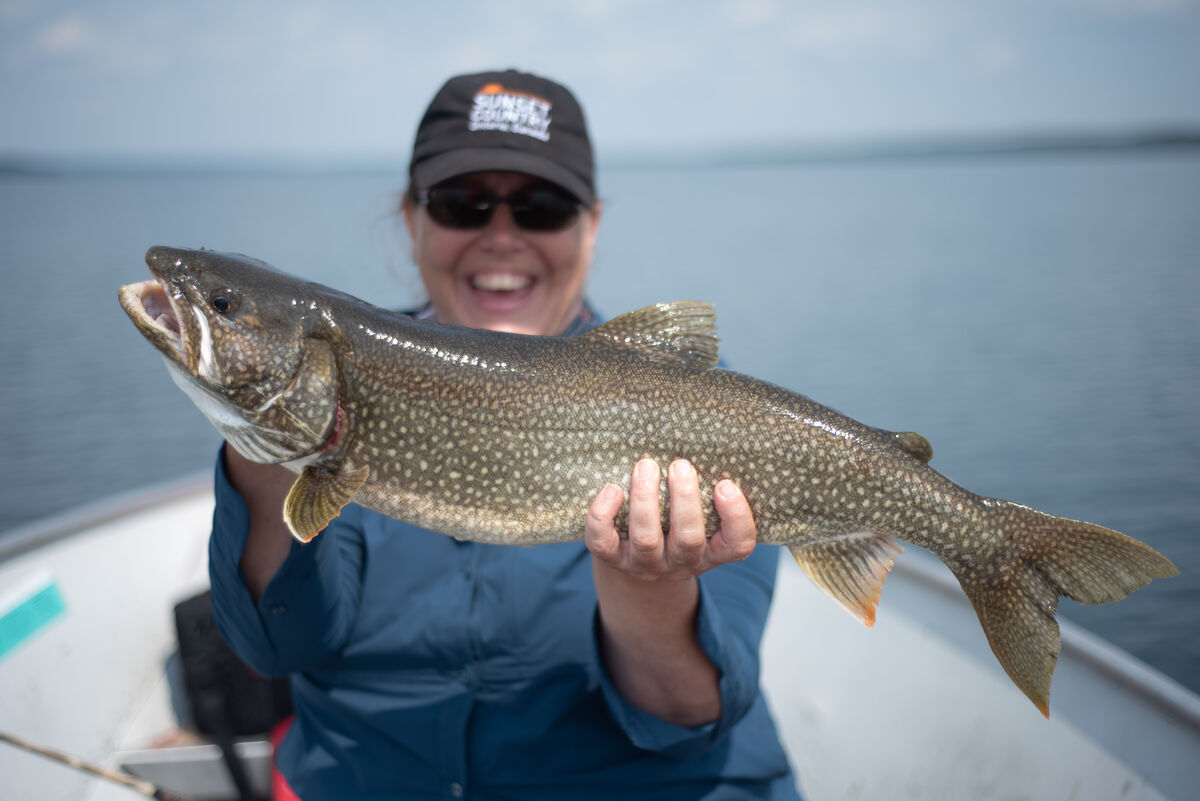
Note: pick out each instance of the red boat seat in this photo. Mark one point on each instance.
(280, 789)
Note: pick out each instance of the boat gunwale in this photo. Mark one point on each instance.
(48, 530)
(1105, 658)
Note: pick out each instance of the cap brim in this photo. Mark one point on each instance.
(449, 165)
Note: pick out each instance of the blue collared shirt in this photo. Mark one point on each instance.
(425, 667)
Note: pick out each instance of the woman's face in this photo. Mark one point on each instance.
(501, 276)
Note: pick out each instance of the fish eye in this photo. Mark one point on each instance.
(224, 301)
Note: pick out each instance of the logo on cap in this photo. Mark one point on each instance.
(510, 111)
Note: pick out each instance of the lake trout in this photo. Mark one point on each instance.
(505, 438)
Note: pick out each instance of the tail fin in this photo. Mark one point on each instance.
(1046, 557)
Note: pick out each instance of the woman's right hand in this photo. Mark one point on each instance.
(264, 488)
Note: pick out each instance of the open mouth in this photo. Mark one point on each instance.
(500, 282)
(501, 292)
(153, 311)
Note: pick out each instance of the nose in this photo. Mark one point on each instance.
(502, 232)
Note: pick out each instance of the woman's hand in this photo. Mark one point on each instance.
(684, 552)
(647, 591)
(263, 487)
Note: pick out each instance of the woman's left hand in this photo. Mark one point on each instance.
(683, 551)
(647, 591)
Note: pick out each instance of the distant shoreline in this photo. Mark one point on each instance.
(742, 155)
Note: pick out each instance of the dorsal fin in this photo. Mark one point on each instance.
(683, 331)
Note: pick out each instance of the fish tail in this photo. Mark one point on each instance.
(1043, 557)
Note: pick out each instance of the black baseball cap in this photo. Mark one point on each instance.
(510, 121)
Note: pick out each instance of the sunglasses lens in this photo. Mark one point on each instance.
(543, 209)
(460, 206)
(536, 209)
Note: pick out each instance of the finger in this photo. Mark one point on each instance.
(600, 531)
(685, 541)
(738, 534)
(645, 520)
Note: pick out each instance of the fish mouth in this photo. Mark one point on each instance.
(153, 306)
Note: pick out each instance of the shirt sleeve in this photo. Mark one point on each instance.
(307, 610)
(734, 601)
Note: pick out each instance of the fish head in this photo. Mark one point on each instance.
(247, 343)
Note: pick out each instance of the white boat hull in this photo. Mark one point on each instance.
(915, 708)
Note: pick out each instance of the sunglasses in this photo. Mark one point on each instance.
(534, 208)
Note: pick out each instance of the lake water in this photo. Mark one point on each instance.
(1037, 317)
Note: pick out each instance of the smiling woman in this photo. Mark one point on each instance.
(502, 250)
(518, 653)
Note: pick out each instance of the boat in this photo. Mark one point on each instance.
(915, 708)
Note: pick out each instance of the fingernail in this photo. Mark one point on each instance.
(646, 470)
(727, 489)
(611, 493)
(682, 468)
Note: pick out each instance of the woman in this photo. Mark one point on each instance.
(426, 667)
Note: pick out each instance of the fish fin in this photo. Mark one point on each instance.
(1045, 557)
(850, 568)
(317, 497)
(914, 444)
(684, 331)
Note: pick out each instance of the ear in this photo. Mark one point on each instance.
(409, 210)
(594, 223)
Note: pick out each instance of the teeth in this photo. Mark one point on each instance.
(500, 282)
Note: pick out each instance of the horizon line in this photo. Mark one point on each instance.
(700, 156)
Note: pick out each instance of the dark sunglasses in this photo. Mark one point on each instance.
(534, 208)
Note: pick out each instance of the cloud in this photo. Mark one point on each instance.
(70, 34)
(17, 9)
(839, 27)
(866, 31)
(994, 56)
(750, 13)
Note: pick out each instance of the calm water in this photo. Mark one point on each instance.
(1036, 317)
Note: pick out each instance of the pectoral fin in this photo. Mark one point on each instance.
(317, 497)
(850, 568)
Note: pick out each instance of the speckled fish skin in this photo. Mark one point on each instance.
(503, 438)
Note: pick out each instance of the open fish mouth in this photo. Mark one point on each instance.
(154, 309)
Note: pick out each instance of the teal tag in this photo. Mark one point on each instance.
(29, 612)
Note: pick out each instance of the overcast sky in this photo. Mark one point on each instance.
(349, 79)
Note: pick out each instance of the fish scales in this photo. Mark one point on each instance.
(505, 438)
(548, 442)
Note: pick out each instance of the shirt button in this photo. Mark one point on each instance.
(464, 676)
(278, 609)
(456, 789)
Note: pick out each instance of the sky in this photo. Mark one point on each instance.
(349, 80)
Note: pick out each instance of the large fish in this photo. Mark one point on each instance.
(504, 438)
